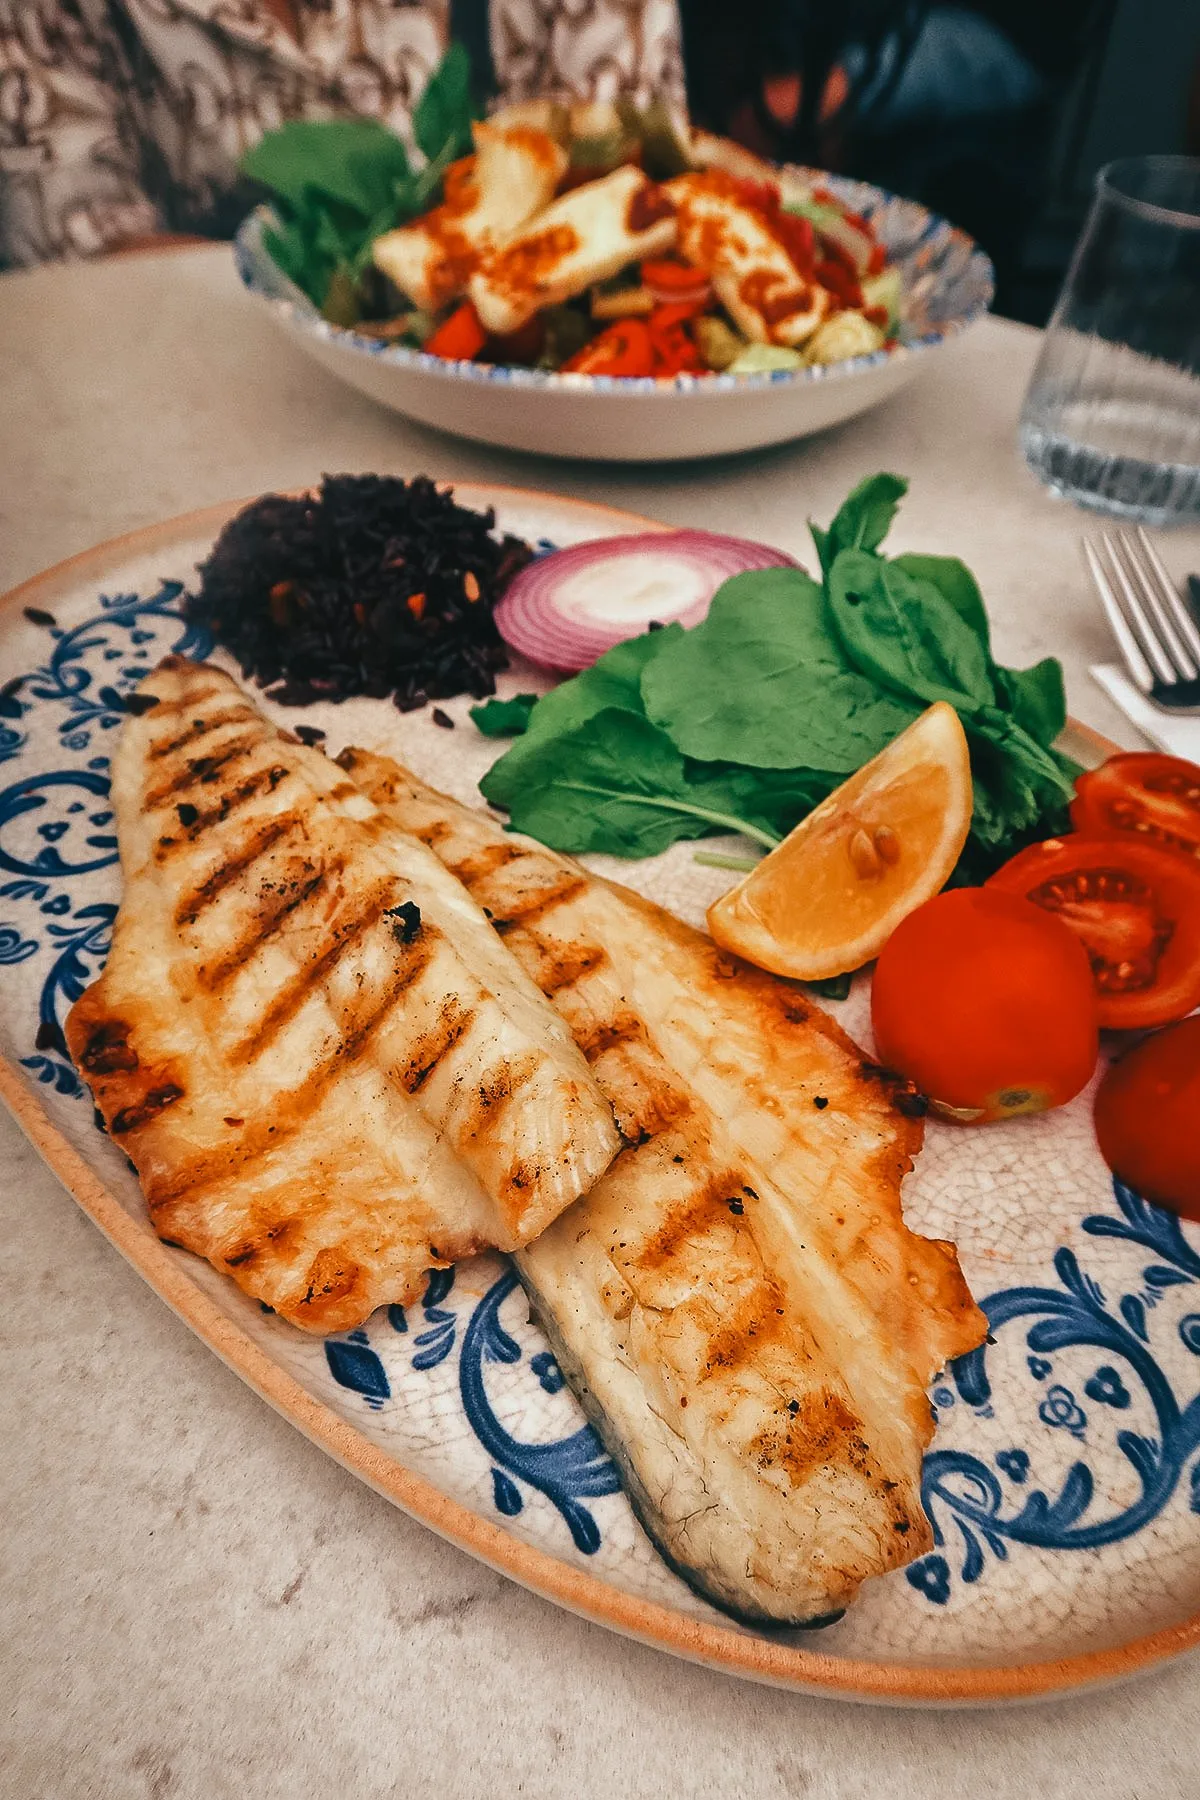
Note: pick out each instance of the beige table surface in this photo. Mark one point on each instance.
(195, 1603)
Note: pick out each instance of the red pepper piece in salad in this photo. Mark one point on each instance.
(625, 348)
(459, 338)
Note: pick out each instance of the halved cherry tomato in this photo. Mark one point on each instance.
(625, 348)
(1150, 795)
(987, 1004)
(1135, 908)
(1147, 1108)
(668, 280)
(459, 338)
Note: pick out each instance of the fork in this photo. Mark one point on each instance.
(1155, 632)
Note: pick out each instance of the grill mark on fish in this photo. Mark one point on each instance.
(140, 1112)
(266, 1240)
(692, 1218)
(817, 1428)
(260, 841)
(434, 833)
(197, 729)
(528, 911)
(292, 1111)
(564, 965)
(500, 1086)
(753, 1320)
(317, 968)
(650, 1111)
(435, 1044)
(201, 770)
(215, 974)
(625, 1028)
(108, 1050)
(485, 862)
(247, 789)
(331, 1276)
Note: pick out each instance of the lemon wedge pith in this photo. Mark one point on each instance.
(827, 899)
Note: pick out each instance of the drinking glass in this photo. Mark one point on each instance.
(1112, 416)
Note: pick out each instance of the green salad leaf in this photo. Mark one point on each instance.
(612, 681)
(338, 184)
(749, 719)
(504, 718)
(442, 116)
(863, 520)
(1036, 699)
(902, 633)
(763, 681)
(955, 582)
(613, 782)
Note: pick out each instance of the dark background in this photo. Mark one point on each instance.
(1114, 77)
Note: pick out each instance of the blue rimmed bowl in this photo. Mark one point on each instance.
(947, 285)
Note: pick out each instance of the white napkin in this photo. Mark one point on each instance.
(1173, 732)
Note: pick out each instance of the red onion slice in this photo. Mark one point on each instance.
(566, 609)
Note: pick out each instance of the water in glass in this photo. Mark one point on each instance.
(1112, 416)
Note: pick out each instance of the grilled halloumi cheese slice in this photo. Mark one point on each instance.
(512, 176)
(753, 276)
(585, 236)
(325, 1066)
(738, 1302)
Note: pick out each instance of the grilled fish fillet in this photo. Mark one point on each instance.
(738, 1302)
(325, 1066)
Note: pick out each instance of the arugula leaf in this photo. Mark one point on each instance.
(774, 799)
(903, 633)
(613, 680)
(955, 582)
(442, 116)
(863, 519)
(504, 718)
(1036, 698)
(356, 163)
(762, 681)
(614, 783)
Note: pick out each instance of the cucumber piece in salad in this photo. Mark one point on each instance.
(759, 359)
(885, 290)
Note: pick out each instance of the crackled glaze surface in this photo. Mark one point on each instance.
(1064, 1479)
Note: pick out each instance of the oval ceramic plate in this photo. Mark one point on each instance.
(1064, 1479)
(947, 285)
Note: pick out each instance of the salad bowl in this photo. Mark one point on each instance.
(946, 283)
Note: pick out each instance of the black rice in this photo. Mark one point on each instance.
(374, 586)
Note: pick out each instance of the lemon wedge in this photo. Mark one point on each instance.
(827, 899)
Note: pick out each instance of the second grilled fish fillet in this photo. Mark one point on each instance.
(326, 1067)
(738, 1302)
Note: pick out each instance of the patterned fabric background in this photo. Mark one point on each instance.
(123, 117)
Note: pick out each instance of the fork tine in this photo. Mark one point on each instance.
(1139, 621)
(1139, 669)
(1173, 600)
(1147, 585)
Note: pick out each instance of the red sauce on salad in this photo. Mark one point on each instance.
(528, 265)
(647, 205)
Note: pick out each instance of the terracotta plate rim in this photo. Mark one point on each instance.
(778, 1662)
